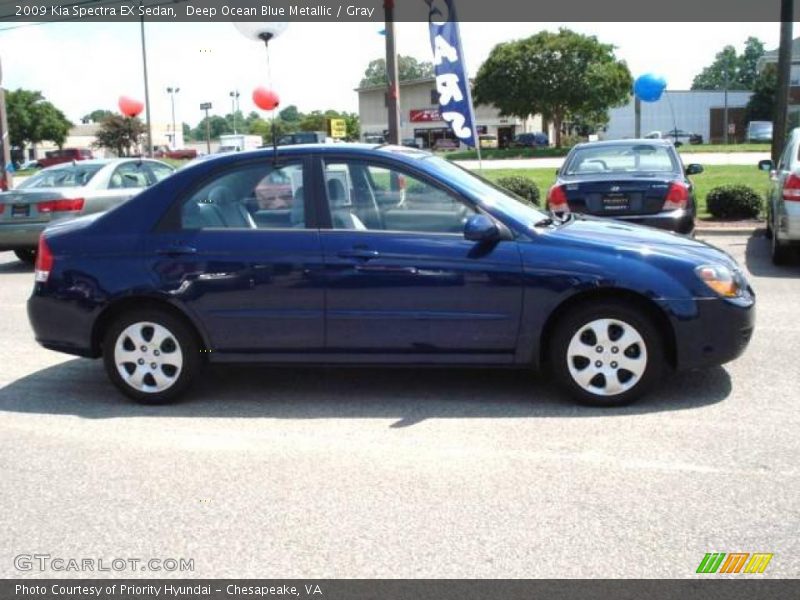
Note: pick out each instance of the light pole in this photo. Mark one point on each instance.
(149, 151)
(206, 106)
(172, 91)
(234, 106)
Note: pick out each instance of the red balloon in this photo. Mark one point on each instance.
(265, 99)
(130, 107)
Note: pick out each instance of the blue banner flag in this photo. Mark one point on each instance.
(452, 84)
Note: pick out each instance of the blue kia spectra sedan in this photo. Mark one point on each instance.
(357, 254)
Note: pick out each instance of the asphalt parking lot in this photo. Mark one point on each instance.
(398, 473)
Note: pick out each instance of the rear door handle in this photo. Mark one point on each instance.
(393, 269)
(358, 253)
(177, 250)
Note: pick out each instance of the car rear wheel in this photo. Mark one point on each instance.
(151, 356)
(26, 255)
(779, 253)
(606, 354)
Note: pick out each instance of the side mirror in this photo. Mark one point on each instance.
(557, 172)
(765, 165)
(480, 228)
(694, 169)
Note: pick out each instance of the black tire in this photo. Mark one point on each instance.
(183, 345)
(576, 324)
(26, 255)
(779, 253)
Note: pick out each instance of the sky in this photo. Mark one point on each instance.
(85, 66)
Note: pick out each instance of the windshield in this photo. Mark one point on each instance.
(490, 194)
(71, 176)
(621, 158)
(758, 127)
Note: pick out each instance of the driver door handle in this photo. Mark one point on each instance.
(177, 250)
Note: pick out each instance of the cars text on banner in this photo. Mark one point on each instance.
(452, 84)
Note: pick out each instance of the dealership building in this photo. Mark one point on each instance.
(694, 111)
(421, 121)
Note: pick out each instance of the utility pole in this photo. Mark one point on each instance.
(5, 141)
(725, 110)
(637, 117)
(784, 72)
(149, 151)
(393, 92)
(172, 91)
(206, 106)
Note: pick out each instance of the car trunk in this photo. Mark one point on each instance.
(617, 195)
(23, 206)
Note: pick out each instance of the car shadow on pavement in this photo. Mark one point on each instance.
(16, 266)
(759, 263)
(406, 395)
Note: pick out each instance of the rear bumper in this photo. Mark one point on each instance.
(718, 332)
(679, 221)
(20, 235)
(788, 222)
(61, 325)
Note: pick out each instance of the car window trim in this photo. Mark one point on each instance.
(170, 222)
(324, 204)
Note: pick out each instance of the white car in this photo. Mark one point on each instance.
(68, 190)
(783, 200)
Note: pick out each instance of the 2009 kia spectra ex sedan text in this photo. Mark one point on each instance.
(377, 255)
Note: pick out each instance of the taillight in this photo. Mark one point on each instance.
(557, 199)
(63, 205)
(2, 208)
(677, 196)
(44, 261)
(791, 188)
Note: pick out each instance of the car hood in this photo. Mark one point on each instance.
(617, 236)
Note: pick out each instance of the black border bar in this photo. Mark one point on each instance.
(333, 11)
(741, 587)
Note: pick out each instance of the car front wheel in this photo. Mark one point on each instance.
(606, 354)
(151, 356)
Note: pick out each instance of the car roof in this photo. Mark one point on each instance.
(321, 148)
(101, 161)
(627, 142)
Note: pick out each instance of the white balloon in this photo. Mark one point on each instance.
(258, 31)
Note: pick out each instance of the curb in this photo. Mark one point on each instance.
(729, 230)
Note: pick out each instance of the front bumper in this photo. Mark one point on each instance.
(717, 331)
(20, 235)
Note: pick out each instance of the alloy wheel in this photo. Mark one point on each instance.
(607, 357)
(148, 357)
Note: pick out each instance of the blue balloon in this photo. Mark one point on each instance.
(649, 87)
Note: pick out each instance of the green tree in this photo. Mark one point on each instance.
(408, 68)
(557, 75)
(96, 116)
(761, 106)
(290, 114)
(119, 134)
(187, 132)
(32, 119)
(740, 70)
(217, 125)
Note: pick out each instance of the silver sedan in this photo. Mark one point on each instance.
(69, 190)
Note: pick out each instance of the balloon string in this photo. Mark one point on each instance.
(269, 67)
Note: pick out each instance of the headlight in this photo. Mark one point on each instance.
(721, 279)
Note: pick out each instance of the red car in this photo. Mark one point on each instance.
(56, 157)
(176, 154)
